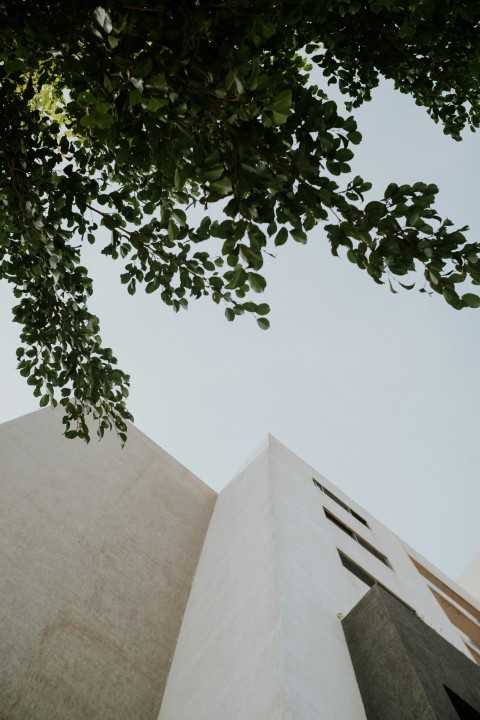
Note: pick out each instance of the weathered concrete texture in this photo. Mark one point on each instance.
(99, 547)
(403, 666)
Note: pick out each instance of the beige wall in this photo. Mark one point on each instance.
(98, 551)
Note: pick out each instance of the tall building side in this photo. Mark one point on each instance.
(287, 556)
(99, 547)
(112, 563)
(229, 660)
(256, 641)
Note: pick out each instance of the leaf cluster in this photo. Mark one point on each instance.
(130, 116)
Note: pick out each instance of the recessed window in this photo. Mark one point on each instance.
(356, 570)
(380, 556)
(365, 577)
(340, 502)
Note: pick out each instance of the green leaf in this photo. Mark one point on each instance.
(355, 137)
(407, 287)
(222, 186)
(213, 173)
(173, 231)
(154, 104)
(102, 17)
(257, 282)
(281, 237)
(104, 121)
(471, 300)
(391, 190)
(122, 116)
(262, 309)
(299, 235)
(375, 208)
(159, 82)
(433, 277)
(413, 217)
(263, 323)
(87, 121)
(280, 107)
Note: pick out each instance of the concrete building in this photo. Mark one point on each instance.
(98, 551)
(130, 590)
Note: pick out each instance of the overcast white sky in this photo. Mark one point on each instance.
(379, 392)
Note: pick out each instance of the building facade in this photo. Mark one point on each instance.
(98, 551)
(278, 599)
(286, 558)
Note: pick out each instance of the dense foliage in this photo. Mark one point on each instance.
(128, 114)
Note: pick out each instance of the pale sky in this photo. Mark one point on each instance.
(378, 392)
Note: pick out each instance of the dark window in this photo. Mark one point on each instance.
(339, 524)
(356, 537)
(340, 502)
(464, 710)
(357, 570)
(366, 578)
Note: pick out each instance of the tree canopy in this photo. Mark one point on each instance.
(128, 114)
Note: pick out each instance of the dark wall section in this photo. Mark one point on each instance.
(403, 667)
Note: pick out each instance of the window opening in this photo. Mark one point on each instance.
(380, 556)
(340, 502)
(356, 570)
(365, 577)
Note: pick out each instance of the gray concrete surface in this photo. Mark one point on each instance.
(403, 666)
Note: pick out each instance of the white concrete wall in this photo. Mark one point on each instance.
(262, 637)
(228, 663)
(98, 550)
(341, 589)
(258, 640)
(313, 592)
